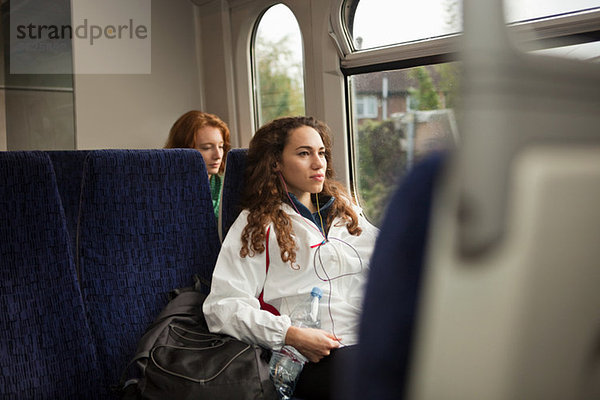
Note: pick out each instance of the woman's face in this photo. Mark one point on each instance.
(303, 163)
(209, 142)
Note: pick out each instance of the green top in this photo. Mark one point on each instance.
(215, 192)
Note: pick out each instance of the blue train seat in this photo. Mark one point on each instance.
(146, 226)
(47, 351)
(393, 288)
(233, 186)
(68, 168)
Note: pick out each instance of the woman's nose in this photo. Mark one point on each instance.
(318, 162)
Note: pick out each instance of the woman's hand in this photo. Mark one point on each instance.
(314, 344)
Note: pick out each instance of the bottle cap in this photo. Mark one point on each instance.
(316, 291)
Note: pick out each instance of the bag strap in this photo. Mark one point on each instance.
(119, 388)
(263, 305)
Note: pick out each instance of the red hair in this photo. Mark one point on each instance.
(183, 132)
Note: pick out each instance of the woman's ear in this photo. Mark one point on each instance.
(275, 166)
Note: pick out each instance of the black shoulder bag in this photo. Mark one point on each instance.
(178, 358)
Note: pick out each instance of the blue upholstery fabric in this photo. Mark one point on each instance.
(233, 187)
(146, 226)
(46, 349)
(390, 304)
(68, 168)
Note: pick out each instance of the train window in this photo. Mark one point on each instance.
(36, 82)
(278, 65)
(376, 23)
(413, 115)
(398, 115)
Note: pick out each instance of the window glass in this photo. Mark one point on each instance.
(376, 23)
(523, 10)
(570, 46)
(586, 51)
(278, 65)
(37, 108)
(414, 116)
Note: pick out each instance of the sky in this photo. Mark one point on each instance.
(279, 21)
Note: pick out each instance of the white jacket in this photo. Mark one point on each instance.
(232, 306)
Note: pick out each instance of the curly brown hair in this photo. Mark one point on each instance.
(183, 132)
(264, 191)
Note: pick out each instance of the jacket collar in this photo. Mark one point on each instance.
(314, 217)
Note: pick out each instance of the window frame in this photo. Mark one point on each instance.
(546, 30)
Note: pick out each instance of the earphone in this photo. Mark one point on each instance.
(317, 254)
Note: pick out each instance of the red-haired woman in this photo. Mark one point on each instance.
(314, 236)
(208, 134)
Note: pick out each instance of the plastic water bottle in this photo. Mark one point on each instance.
(307, 314)
(286, 364)
(284, 368)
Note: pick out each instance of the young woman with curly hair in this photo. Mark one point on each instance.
(312, 234)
